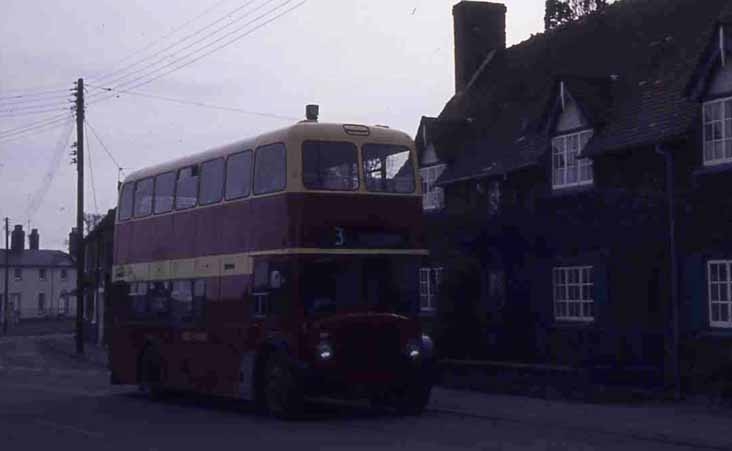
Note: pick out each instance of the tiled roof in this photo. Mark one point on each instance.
(37, 258)
(628, 68)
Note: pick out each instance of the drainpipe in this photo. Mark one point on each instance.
(660, 149)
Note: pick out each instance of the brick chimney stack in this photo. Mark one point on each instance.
(17, 239)
(479, 28)
(34, 240)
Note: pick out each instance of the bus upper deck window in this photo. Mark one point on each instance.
(239, 175)
(125, 201)
(212, 181)
(269, 169)
(329, 165)
(143, 197)
(164, 190)
(388, 168)
(186, 191)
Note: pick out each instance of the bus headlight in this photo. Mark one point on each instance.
(325, 351)
(414, 351)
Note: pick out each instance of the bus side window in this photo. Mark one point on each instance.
(199, 301)
(186, 189)
(138, 299)
(164, 190)
(159, 300)
(212, 181)
(239, 175)
(125, 201)
(269, 169)
(143, 197)
(182, 301)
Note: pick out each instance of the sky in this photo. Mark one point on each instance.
(365, 61)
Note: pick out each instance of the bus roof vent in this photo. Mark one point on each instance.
(312, 112)
(356, 130)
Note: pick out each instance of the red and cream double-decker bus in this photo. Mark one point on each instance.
(275, 268)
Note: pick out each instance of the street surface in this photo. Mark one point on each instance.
(51, 401)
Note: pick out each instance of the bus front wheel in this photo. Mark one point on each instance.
(412, 400)
(282, 392)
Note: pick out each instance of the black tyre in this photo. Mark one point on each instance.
(412, 400)
(282, 392)
(150, 377)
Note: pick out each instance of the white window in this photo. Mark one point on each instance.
(433, 197)
(42, 273)
(573, 293)
(18, 273)
(567, 169)
(718, 132)
(64, 274)
(429, 284)
(41, 303)
(719, 278)
(261, 304)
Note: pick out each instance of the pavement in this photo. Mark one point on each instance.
(698, 425)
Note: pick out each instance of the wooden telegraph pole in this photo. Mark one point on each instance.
(6, 317)
(78, 245)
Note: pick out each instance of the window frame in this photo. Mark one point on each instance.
(63, 274)
(433, 197)
(725, 135)
(132, 201)
(155, 193)
(198, 183)
(134, 198)
(42, 274)
(727, 284)
(581, 162)
(254, 170)
(251, 175)
(18, 273)
(42, 307)
(432, 289)
(581, 317)
(321, 188)
(364, 172)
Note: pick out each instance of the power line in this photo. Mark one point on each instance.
(200, 104)
(2, 132)
(99, 140)
(30, 93)
(32, 100)
(53, 167)
(225, 44)
(41, 125)
(162, 38)
(186, 38)
(236, 38)
(31, 111)
(91, 172)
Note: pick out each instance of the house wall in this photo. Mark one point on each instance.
(53, 287)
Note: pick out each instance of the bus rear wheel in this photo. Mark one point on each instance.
(282, 393)
(150, 374)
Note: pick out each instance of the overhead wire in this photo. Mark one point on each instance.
(198, 104)
(161, 39)
(88, 152)
(99, 140)
(187, 37)
(236, 38)
(29, 94)
(33, 127)
(54, 164)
